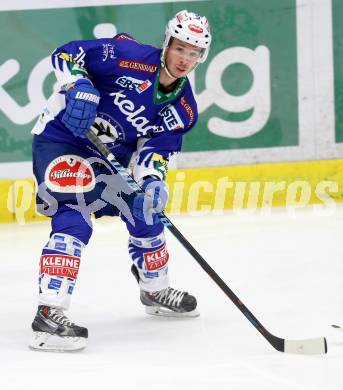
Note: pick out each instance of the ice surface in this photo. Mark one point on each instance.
(288, 271)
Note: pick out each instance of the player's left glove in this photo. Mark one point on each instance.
(146, 206)
(82, 102)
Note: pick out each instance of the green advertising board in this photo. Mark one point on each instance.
(264, 94)
(247, 90)
(248, 87)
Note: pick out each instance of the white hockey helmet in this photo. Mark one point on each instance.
(191, 28)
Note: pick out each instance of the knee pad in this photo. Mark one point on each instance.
(150, 257)
(73, 223)
(59, 266)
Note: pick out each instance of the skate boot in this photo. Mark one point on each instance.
(169, 303)
(53, 331)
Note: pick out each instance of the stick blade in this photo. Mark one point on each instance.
(317, 346)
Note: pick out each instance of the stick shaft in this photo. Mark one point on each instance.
(276, 342)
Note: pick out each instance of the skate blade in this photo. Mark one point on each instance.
(43, 341)
(163, 312)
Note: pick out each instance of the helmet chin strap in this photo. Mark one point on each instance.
(164, 65)
(168, 72)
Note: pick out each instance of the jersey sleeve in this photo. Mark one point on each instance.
(153, 155)
(70, 61)
(89, 58)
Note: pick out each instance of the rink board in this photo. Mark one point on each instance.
(215, 189)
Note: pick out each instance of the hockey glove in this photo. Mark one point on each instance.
(82, 101)
(153, 201)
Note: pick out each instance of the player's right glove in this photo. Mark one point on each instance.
(81, 103)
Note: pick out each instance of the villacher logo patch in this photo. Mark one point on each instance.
(70, 173)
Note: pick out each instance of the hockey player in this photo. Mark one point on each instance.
(141, 104)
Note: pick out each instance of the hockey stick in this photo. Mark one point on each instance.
(306, 347)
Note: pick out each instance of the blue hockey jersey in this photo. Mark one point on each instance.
(133, 115)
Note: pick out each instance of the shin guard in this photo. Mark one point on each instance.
(59, 265)
(150, 257)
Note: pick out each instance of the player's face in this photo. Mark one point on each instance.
(181, 57)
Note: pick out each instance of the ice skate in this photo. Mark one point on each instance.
(169, 303)
(53, 331)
